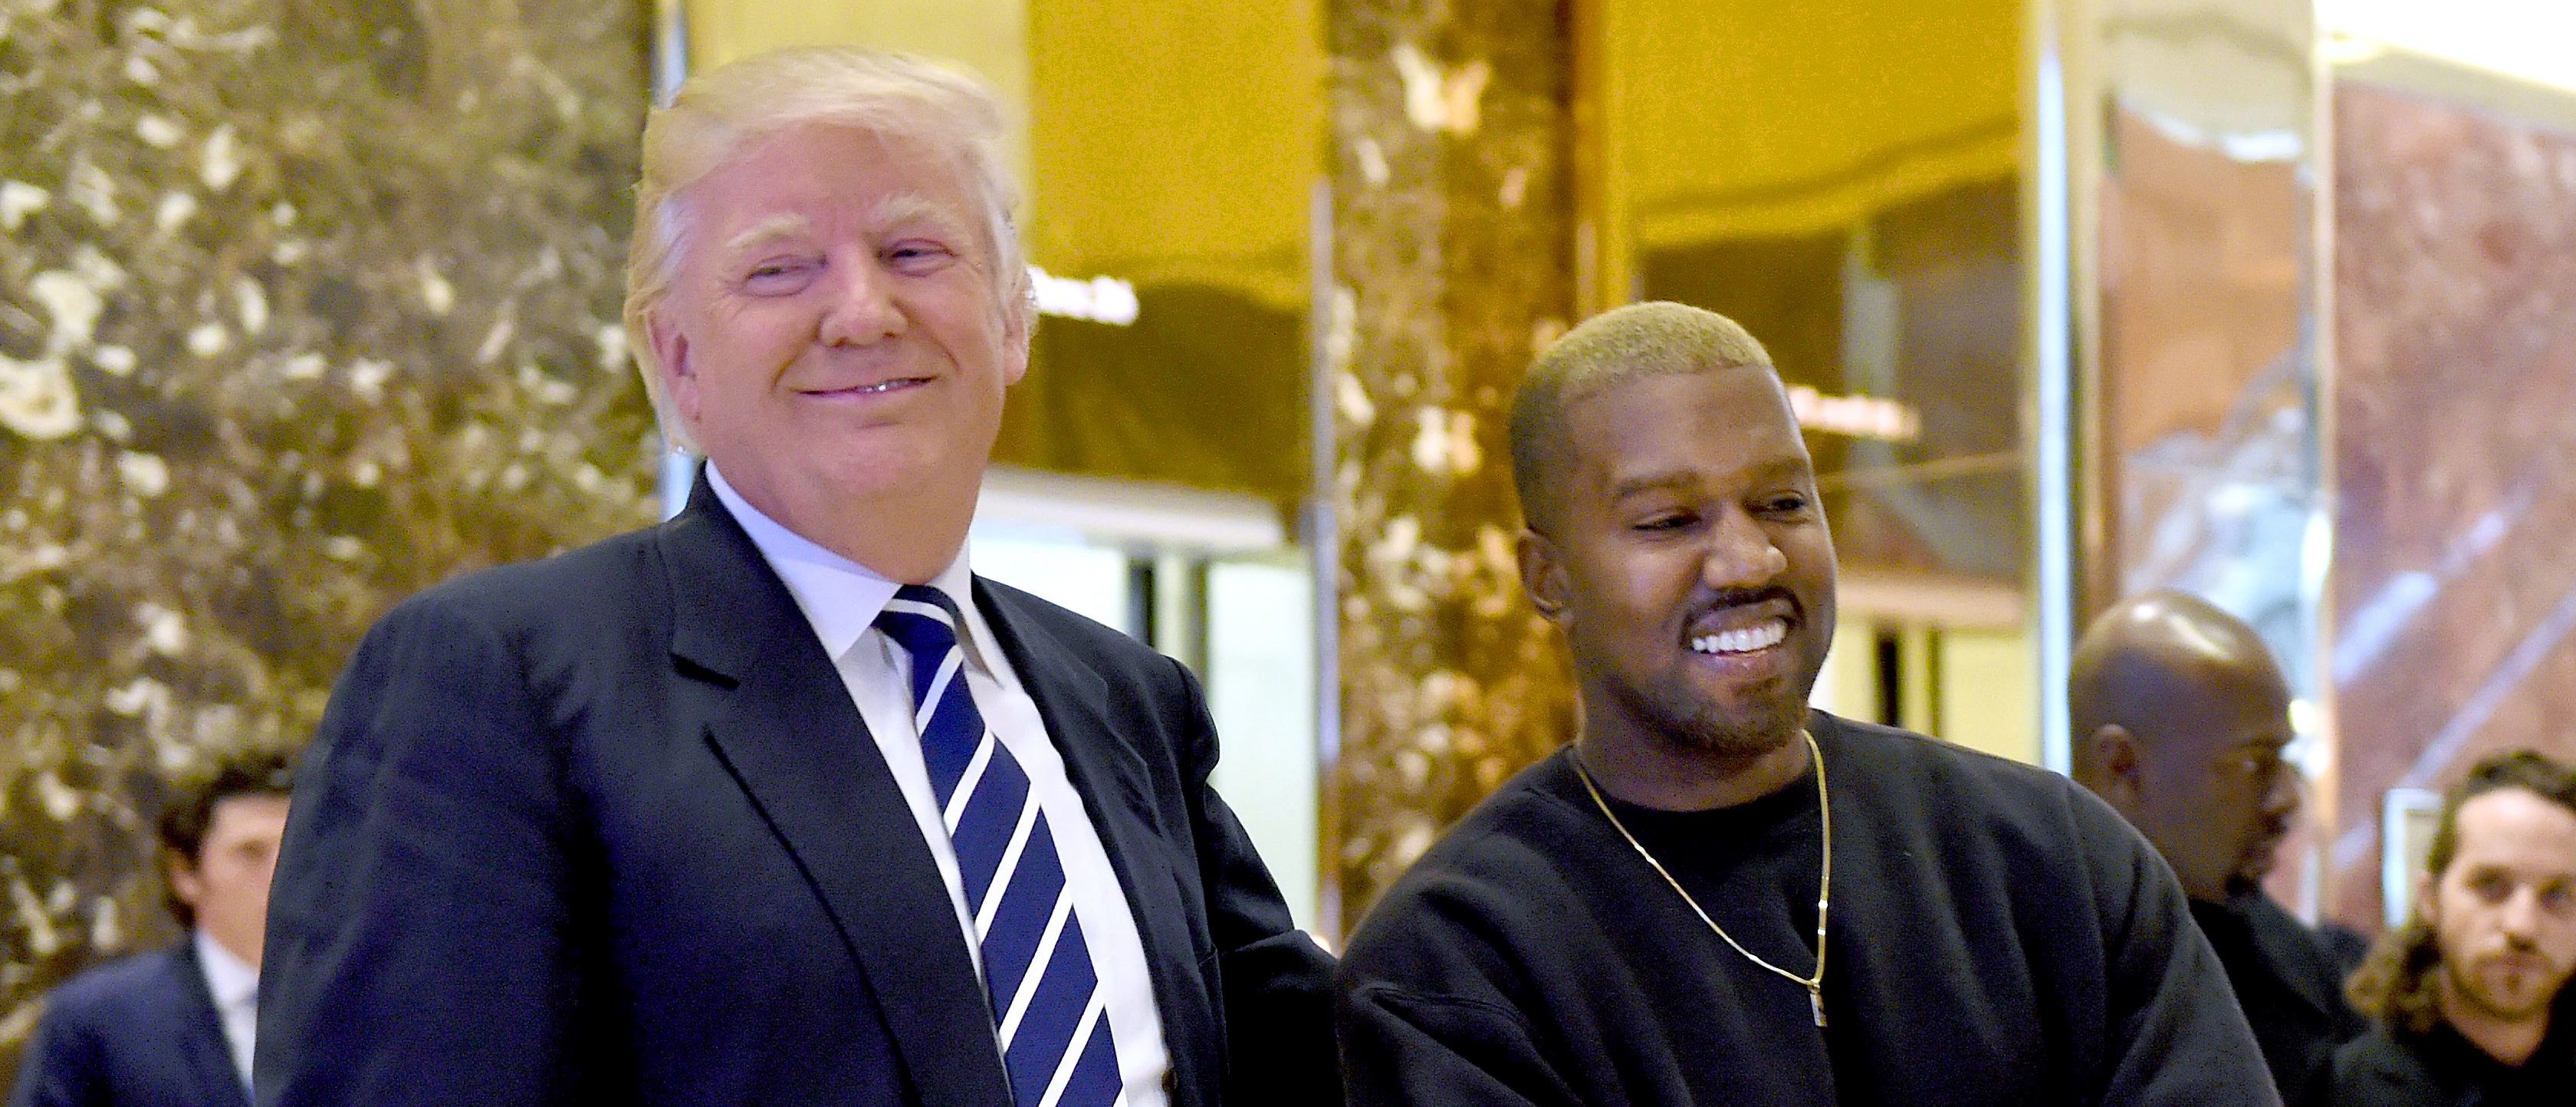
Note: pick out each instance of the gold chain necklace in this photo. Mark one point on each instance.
(1815, 984)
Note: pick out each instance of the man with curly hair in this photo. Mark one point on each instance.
(2471, 994)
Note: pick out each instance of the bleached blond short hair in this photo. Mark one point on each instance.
(723, 114)
(1653, 339)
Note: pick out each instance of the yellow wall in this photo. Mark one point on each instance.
(1783, 116)
(1972, 686)
(1156, 140)
(1177, 140)
(1987, 692)
(989, 37)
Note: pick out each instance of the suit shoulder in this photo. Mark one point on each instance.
(103, 994)
(565, 584)
(2379, 1067)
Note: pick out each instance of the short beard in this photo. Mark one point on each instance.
(1756, 730)
(2468, 992)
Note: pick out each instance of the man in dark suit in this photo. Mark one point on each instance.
(2180, 719)
(776, 803)
(173, 1028)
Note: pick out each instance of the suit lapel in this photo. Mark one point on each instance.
(783, 724)
(207, 1053)
(1117, 786)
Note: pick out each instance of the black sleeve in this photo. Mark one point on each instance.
(2177, 1037)
(1405, 1049)
(62, 1066)
(1278, 984)
(417, 949)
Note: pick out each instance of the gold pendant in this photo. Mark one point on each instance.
(1816, 999)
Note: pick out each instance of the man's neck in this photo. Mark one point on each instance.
(1663, 776)
(924, 545)
(2510, 1041)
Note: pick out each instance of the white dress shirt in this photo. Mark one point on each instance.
(235, 988)
(842, 599)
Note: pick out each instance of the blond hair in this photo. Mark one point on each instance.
(722, 114)
(1652, 339)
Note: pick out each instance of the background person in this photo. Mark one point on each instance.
(2471, 995)
(2180, 717)
(175, 1028)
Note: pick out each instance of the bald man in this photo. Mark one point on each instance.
(1718, 896)
(2180, 718)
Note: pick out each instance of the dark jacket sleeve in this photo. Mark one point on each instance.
(1405, 1049)
(2177, 1037)
(63, 1065)
(1277, 983)
(416, 937)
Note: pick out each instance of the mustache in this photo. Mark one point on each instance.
(1725, 598)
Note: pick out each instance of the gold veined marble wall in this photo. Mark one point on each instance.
(303, 307)
(1452, 263)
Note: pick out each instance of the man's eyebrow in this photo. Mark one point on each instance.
(903, 208)
(1661, 480)
(768, 230)
(1650, 482)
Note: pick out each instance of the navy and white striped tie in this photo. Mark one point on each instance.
(1048, 1009)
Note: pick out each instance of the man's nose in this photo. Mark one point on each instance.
(861, 309)
(2520, 919)
(2282, 800)
(1741, 554)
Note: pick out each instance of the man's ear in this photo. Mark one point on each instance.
(1019, 317)
(184, 881)
(1542, 574)
(2428, 906)
(671, 353)
(2120, 767)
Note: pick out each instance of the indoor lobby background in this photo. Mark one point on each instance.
(305, 305)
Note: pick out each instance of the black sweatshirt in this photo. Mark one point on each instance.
(1998, 936)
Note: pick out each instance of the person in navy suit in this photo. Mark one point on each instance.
(776, 802)
(173, 1028)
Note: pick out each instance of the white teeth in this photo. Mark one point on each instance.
(1761, 636)
(888, 386)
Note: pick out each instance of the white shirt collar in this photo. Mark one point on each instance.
(234, 983)
(841, 597)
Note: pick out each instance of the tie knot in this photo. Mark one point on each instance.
(921, 619)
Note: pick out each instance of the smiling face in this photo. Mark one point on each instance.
(2503, 911)
(834, 337)
(1686, 558)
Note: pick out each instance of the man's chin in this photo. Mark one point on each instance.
(2512, 994)
(1742, 733)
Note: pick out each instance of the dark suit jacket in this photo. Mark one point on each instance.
(2390, 1068)
(141, 1032)
(607, 829)
(2290, 983)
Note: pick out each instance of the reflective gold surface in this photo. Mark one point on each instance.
(300, 311)
(1452, 263)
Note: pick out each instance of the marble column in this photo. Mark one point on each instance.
(302, 308)
(1452, 263)
(2455, 330)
